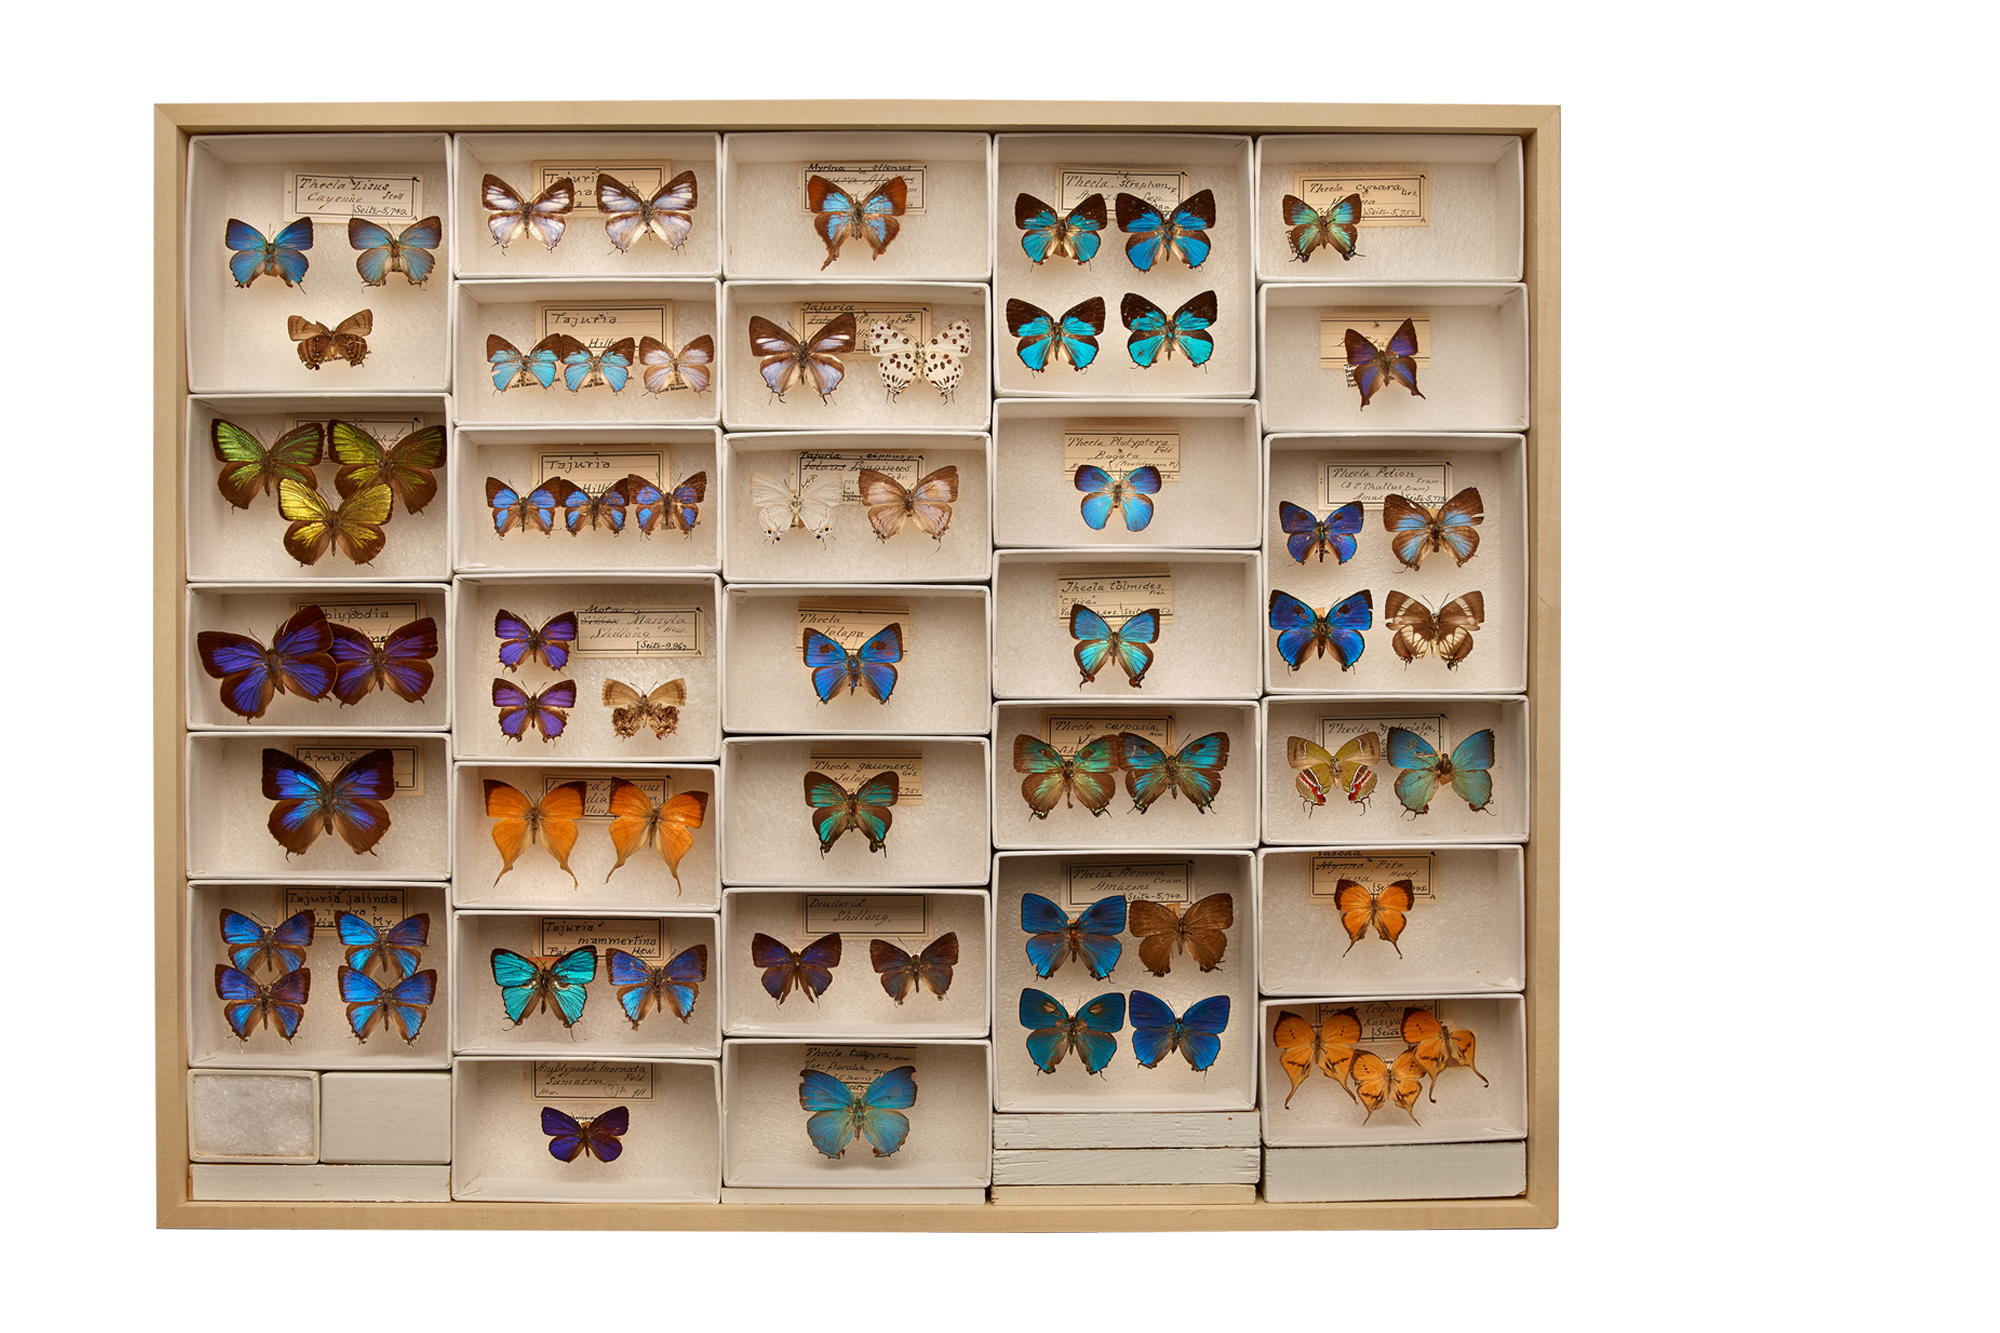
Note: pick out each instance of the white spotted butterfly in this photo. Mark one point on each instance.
(943, 357)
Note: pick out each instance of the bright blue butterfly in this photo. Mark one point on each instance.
(547, 712)
(613, 364)
(1046, 232)
(1195, 771)
(1180, 228)
(1045, 338)
(606, 509)
(1156, 1033)
(539, 362)
(1097, 643)
(1053, 938)
(308, 803)
(671, 987)
(1310, 228)
(876, 1115)
(652, 506)
(838, 215)
(402, 1007)
(298, 662)
(536, 509)
(246, 1006)
(1152, 330)
(282, 256)
(1336, 630)
(530, 985)
(398, 949)
(383, 254)
(1424, 768)
(871, 665)
(1333, 533)
(1052, 1033)
(252, 944)
(597, 1135)
(1128, 493)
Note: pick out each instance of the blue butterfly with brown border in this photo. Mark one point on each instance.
(1306, 534)
(396, 950)
(1053, 1033)
(253, 945)
(1129, 644)
(1153, 330)
(1044, 338)
(1336, 630)
(671, 987)
(547, 712)
(1047, 234)
(653, 505)
(308, 803)
(1091, 937)
(531, 509)
(606, 509)
(521, 642)
(876, 1115)
(283, 256)
(1331, 228)
(401, 1007)
(1376, 366)
(383, 253)
(838, 214)
(299, 662)
(1129, 493)
(1158, 1033)
(533, 984)
(539, 363)
(1154, 231)
(1195, 771)
(871, 666)
(612, 366)
(809, 969)
(247, 1006)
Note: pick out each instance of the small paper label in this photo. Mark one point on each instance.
(380, 908)
(1162, 187)
(639, 631)
(1381, 1020)
(1388, 198)
(599, 326)
(1068, 732)
(1373, 872)
(408, 773)
(859, 179)
(644, 179)
(1122, 446)
(912, 321)
(870, 915)
(1427, 484)
(853, 623)
(1335, 732)
(903, 469)
(591, 1080)
(386, 430)
(597, 790)
(643, 937)
(850, 770)
(1378, 327)
(1115, 596)
(333, 196)
(858, 1066)
(1153, 881)
(377, 620)
(595, 471)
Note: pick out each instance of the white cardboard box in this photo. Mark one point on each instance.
(372, 1118)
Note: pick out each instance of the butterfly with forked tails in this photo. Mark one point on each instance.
(839, 214)
(1375, 366)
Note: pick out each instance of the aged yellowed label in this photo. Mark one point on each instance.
(377, 620)
(639, 631)
(597, 789)
(1388, 198)
(905, 469)
(408, 770)
(1121, 446)
(643, 178)
(591, 1080)
(598, 325)
(1377, 326)
(335, 196)
(593, 471)
(1335, 732)
(1162, 187)
(1373, 872)
(1115, 595)
(867, 915)
(859, 179)
(858, 1066)
(380, 908)
(854, 621)
(1343, 480)
(643, 937)
(1156, 881)
(850, 770)
(1068, 732)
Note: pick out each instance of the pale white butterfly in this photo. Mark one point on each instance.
(781, 506)
(943, 357)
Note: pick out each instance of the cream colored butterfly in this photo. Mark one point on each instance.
(943, 357)
(781, 506)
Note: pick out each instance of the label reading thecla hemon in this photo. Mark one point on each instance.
(380, 908)
(643, 937)
(875, 915)
(860, 178)
(854, 621)
(1155, 881)
(904, 469)
(1067, 732)
(590, 1080)
(1427, 484)
(1115, 595)
(1378, 327)
(374, 619)
(599, 326)
(1335, 732)
(1121, 447)
(850, 770)
(334, 196)
(1389, 198)
(594, 471)
(1372, 872)
(858, 1066)
(597, 790)
(912, 321)
(1162, 187)
(408, 772)
(639, 631)
(642, 178)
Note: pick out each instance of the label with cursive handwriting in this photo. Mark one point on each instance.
(642, 178)
(1121, 446)
(375, 619)
(333, 196)
(385, 430)
(408, 772)
(858, 1066)
(1162, 187)
(591, 1080)
(597, 790)
(1378, 327)
(860, 178)
(642, 937)
(380, 908)
(1335, 732)
(1342, 480)
(595, 471)
(1372, 872)
(850, 770)
(912, 321)
(1388, 198)
(1155, 881)
(872, 915)
(1115, 596)
(854, 621)
(598, 326)
(638, 631)
(902, 468)
(1069, 732)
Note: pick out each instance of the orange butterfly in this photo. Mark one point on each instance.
(518, 821)
(1165, 929)
(1377, 1082)
(636, 822)
(1330, 1047)
(1434, 1047)
(1385, 909)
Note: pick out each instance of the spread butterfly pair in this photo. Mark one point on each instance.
(370, 480)
(1445, 634)
(580, 365)
(311, 657)
(835, 809)
(317, 344)
(1128, 492)
(781, 506)
(559, 983)
(1090, 774)
(350, 804)
(837, 1116)
(1154, 335)
(548, 647)
(382, 252)
(1130, 645)
(560, 502)
(281, 949)
(401, 1000)
(1164, 930)
(550, 822)
(872, 666)
(629, 216)
(1423, 770)
(548, 711)
(1157, 1031)
(1151, 231)
(1415, 530)
(1332, 1047)
(810, 969)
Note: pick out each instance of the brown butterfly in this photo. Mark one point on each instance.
(347, 342)
(1416, 531)
(1385, 908)
(1165, 929)
(631, 710)
(1435, 1047)
(1446, 635)
(928, 502)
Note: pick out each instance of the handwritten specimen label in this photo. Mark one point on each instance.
(854, 622)
(912, 321)
(638, 631)
(1155, 881)
(1119, 447)
(865, 915)
(598, 326)
(643, 178)
(1388, 198)
(858, 1066)
(860, 178)
(1115, 595)
(1374, 872)
(1162, 187)
(850, 770)
(332, 196)
(1335, 732)
(1342, 480)
(380, 908)
(595, 471)
(407, 772)
(1067, 732)
(591, 1080)
(374, 619)
(643, 937)
(597, 790)
(903, 468)
(1378, 327)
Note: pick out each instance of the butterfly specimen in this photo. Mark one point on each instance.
(810, 969)
(512, 366)
(1045, 234)
(1196, 1034)
(396, 951)
(346, 341)
(1195, 771)
(250, 470)
(628, 217)
(606, 509)
(1152, 330)
(671, 987)
(309, 804)
(782, 358)
(407, 467)
(1091, 937)
(550, 645)
(1446, 635)
(876, 1115)
(1306, 534)
(836, 810)
(928, 502)
(278, 949)
(551, 821)
(1424, 768)
(247, 1006)
(1352, 770)
(531, 985)
(355, 526)
(547, 712)
(903, 973)
(401, 1007)
(1198, 930)
(872, 665)
(297, 662)
(781, 506)
(631, 710)
(1435, 1047)
(1331, 228)
(668, 827)
(401, 664)
(1128, 494)
(1097, 643)
(382, 254)
(611, 366)
(839, 215)
(1090, 775)
(1373, 367)
(679, 509)
(1328, 1048)
(1377, 1082)
(543, 217)
(1386, 909)
(1336, 630)
(535, 509)
(662, 367)
(1052, 1033)
(600, 1136)
(942, 359)
(1044, 338)
(283, 256)
(1178, 230)
(1415, 532)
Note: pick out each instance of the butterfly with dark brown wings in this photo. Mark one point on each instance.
(347, 341)
(782, 357)
(1165, 929)
(838, 214)
(1445, 634)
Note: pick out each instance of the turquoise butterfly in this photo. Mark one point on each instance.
(532, 984)
(876, 1115)
(1097, 643)
(836, 809)
(1424, 768)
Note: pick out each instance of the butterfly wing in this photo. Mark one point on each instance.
(1469, 765)
(1093, 640)
(934, 966)
(1369, 364)
(1188, 330)
(1155, 1029)
(831, 1125)
(879, 1115)
(1145, 766)
(1314, 777)
(1392, 908)
(409, 466)
(1357, 908)
(1455, 522)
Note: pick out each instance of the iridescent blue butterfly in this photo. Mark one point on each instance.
(1054, 939)
(246, 1006)
(876, 1115)
(1336, 630)
(520, 642)
(1128, 494)
(1097, 643)
(1180, 228)
(309, 804)
(1152, 330)
(1333, 533)
(529, 985)
(1312, 228)
(396, 950)
(1045, 338)
(280, 948)
(402, 1007)
(281, 257)
(1195, 771)
(613, 365)
(597, 1135)
(1046, 233)
(298, 662)
(547, 712)
(1424, 768)
(536, 509)
(1052, 1033)
(1373, 367)
(671, 987)
(539, 362)
(382, 254)
(838, 215)
(680, 510)
(606, 509)
(871, 665)
(1156, 1033)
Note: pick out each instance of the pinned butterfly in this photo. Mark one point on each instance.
(531, 985)
(350, 804)
(865, 809)
(782, 356)
(941, 359)
(407, 252)
(1153, 232)
(1374, 366)
(282, 257)
(1336, 630)
(1089, 776)
(1154, 332)
(838, 1116)
(1054, 1033)
(1319, 774)
(1332, 228)
(672, 987)
(601, 1136)
(872, 666)
(1046, 338)
(1129, 494)
(1130, 645)
(1424, 770)
(839, 212)
(1048, 234)
(346, 341)
(628, 216)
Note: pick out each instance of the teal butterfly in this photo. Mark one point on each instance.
(1313, 229)
(1098, 643)
(1424, 768)
(836, 809)
(876, 1115)
(529, 985)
